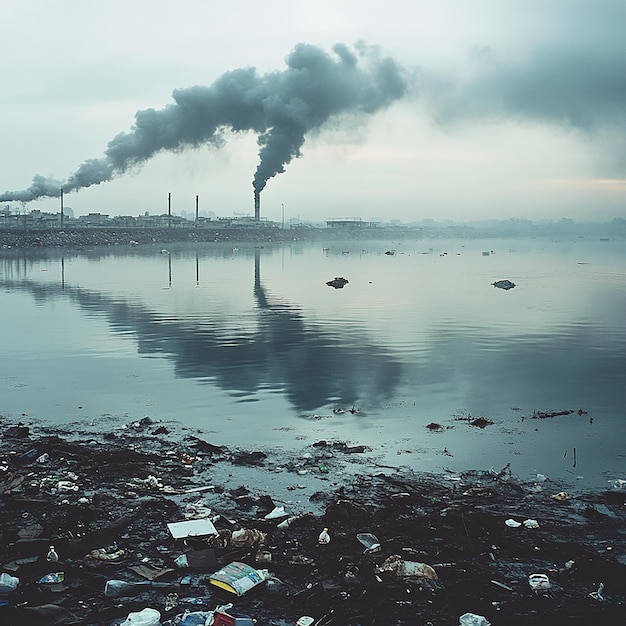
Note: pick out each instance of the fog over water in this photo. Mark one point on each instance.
(252, 347)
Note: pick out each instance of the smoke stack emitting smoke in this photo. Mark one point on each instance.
(281, 107)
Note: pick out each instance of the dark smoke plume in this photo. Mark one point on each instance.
(281, 107)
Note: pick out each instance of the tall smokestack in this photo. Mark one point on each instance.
(169, 210)
(61, 208)
(257, 205)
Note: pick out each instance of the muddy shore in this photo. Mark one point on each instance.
(104, 500)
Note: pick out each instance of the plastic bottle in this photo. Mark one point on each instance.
(146, 617)
(324, 537)
(116, 588)
(52, 557)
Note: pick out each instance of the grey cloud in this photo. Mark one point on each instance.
(578, 84)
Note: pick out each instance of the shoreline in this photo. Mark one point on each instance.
(88, 237)
(117, 491)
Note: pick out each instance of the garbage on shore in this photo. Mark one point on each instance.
(403, 547)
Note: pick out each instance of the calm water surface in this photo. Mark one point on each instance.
(250, 346)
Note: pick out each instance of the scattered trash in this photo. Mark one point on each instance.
(224, 616)
(52, 556)
(277, 513)
(597, 595)
(8, 583)
(119, 588)
(238, 577)
(171, 601)
(402, 511)
(192, 528)
(247, 538)
(324, 537)
(101, 554)
(54, 577)
(502, 585)
(529, 523)
(194, 618)
(539, 582)
(471, 619)
(562, 496)
(53, 582)
(396, 565)
(146, 617)
(288, 522)
(197, 510)
(263, 557)
(66, 486)
(370, 542)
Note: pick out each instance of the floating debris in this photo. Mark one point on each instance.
(504, 284)
(338, 282)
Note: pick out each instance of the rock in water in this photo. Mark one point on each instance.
(503, 284)
(338, 282)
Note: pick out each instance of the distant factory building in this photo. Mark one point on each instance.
(355, 222)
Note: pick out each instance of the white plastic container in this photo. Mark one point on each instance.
(146, 617)
(539, 582)
(8, 583)
(471, 619)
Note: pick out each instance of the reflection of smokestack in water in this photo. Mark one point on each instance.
(257, 205)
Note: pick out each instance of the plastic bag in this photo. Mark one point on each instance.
(146, 617)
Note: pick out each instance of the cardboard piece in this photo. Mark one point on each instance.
(192, 528)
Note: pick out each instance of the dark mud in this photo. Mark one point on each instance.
(115, 494)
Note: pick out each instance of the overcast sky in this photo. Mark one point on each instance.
(443, 109)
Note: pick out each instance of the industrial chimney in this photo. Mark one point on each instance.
(257, 205)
